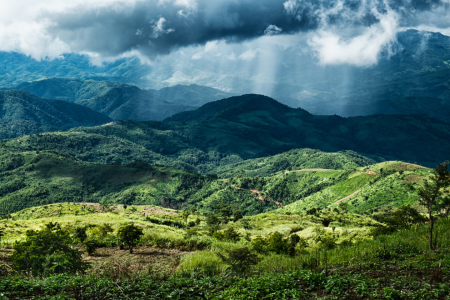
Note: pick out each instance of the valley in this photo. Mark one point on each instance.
(225, 150)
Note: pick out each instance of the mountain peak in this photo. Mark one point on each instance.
(235, 107)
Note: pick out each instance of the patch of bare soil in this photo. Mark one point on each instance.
(256, 192)
(348, 197)
(144, 260)
(156, 211)
(371, 172)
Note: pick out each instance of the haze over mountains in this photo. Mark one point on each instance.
(411, 79)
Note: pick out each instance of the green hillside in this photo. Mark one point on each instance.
(343, 259)
(193, 95)
(31, 179)
(35, 178)
(122, 101)
(376, 188)
(247, 127)
(23, 113)
(294, 160)
(116, 100)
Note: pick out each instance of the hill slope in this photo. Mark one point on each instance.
(122, 101)
(194, 95)
(295, 160)
(18, 108)
(30, 179)
(251, 126)
(116, 100)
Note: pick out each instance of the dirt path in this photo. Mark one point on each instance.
(309, 170)
(348, 197)
(255, 192)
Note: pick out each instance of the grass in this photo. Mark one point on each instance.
(359, 265)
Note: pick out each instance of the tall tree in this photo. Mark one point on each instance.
(433, 194)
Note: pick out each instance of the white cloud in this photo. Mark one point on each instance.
(272, 30)
(158, 28)
(360, 50)
(23, 29)
(249, 54)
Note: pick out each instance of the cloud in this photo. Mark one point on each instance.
(248, 55)
(152, 28)
(361, 49)
(272, 30)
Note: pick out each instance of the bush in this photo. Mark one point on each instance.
(130, 235)
(276, 243)
(259, 244)
(237, 215)
(80, 233)
(231, 235)
(90, 245)
(47, 251)
(240, 259)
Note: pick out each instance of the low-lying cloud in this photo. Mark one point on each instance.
(341, 31)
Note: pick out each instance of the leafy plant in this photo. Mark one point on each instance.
(90, 245)
(231, 235)
(130, 235)
(434, 195)
(240, 259)
(47, 251)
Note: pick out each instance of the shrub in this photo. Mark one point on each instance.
(47, 251)
(276, 243)
(80, 233)
(212, 220)
(130, 235)
(246, 224)
(90, 245)
(231, 235)
(240, 259)
(237, 215)
(259, 244)
(218, 235)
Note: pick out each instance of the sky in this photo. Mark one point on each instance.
(352, 32)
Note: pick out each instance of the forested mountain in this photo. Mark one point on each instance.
(194, 95)
(24, 113)
(122, 101)
(35, 178)
(250, 126)
(296, 159)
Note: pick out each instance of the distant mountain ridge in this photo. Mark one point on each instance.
(251, 126)
(123, 101)
(19, 108)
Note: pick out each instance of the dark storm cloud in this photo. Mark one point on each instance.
(159, 27)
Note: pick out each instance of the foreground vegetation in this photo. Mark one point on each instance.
(323, 255)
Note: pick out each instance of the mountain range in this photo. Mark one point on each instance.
(123, 101)
(411, 79)
(246, 127)
(24, 113)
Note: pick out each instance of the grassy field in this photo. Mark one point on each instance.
(336, 260)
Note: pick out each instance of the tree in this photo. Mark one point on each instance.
(80, 233)
(185, 215)
(212, 220)
(130, 235)
(406, 216)
(240, 259)
(231, 235)
(237, 215)
(433, 194)
(47, 251)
